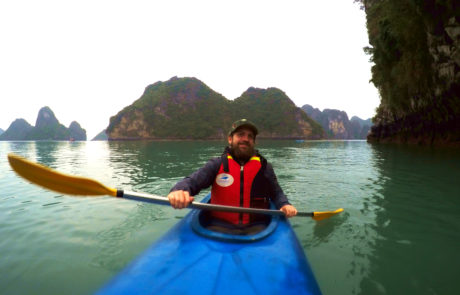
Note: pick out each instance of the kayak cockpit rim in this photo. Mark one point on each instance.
(199, 228)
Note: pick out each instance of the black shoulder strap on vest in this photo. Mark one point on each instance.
(224, 159)
(263, 162)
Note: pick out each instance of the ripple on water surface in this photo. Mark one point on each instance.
(399, 203)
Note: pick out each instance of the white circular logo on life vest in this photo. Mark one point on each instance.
(224, 179)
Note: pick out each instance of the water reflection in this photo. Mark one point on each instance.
(324, 229)
(399, 232)
(148, 164)
(415, 221)
(330, 175)
(46, 152)
(112, 254)
(23, 148)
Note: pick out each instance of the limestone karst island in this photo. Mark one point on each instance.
(47, 127)
(158, 113)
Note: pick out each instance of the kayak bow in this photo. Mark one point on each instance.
(191, 259)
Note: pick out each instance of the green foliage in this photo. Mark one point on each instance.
(273, 110)
(50, 132)
(403, 68)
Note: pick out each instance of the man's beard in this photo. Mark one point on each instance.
(242, 155)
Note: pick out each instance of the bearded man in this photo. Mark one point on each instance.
(240, 177)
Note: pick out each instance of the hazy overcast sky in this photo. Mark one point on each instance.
(87, 60)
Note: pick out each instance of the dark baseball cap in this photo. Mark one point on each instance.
(243, 123)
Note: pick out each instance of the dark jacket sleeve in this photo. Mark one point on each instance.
(200, 179)
(277, 195)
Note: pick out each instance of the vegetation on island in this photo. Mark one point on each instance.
(186, 108)
(272, 110)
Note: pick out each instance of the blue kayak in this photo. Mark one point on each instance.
(191, 259)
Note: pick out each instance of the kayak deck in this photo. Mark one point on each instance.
(189, 259)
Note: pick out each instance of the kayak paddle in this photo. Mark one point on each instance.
(82, 186)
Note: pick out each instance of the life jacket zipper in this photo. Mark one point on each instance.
(241, 193)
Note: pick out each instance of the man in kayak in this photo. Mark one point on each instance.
(241, 177)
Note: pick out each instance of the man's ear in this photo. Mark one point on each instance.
(229, 139)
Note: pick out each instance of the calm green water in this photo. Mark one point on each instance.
(399, 234)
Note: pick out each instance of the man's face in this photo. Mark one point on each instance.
(242, 143)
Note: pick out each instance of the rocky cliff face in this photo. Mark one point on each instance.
(337, 125)
(47, 127)
(46, 119)
(186, 108)
(132, 126)
(444, 47)
(416, 51)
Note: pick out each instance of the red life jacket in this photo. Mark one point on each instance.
(233, 186)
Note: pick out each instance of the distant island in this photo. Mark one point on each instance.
(186, 108)
(337, 125)
(101, 136)
(47, 127)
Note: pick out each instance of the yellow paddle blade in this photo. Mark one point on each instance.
(326, 214)
(56, 181)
